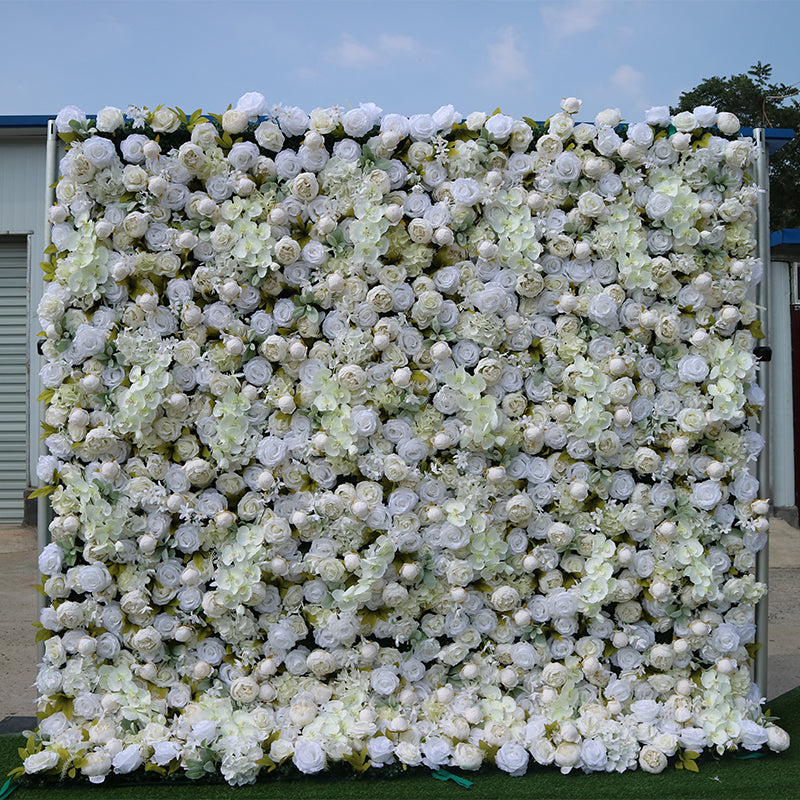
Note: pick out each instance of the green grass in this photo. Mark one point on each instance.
(772, 775)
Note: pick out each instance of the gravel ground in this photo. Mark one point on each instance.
(18, 599)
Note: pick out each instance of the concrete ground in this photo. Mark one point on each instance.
(18, 602)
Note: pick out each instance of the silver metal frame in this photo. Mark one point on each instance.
(43, 506)
(765, 425)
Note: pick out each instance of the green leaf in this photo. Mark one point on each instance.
(46, 396)
(42, 491)
(266, 761)
(686, 760)
(8, 787)
(756, 330)
(11, 784)
(358, 761)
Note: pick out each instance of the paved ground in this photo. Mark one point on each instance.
(18, 600)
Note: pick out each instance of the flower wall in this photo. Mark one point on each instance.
(399, 440)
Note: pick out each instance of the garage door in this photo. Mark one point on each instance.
(13, 376)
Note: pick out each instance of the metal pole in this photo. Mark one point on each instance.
(43, 505)
(765, 422)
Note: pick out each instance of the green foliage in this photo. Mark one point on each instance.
(688, 760)
(760, 102)
(42, 491)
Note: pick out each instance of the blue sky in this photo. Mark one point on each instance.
(408, 57)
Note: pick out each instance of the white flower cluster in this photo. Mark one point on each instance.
(418, 437)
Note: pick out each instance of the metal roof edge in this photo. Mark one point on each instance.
(775, 137)
(784, 245)
(785, 236)
(25, 120)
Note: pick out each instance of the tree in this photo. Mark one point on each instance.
(758, 102)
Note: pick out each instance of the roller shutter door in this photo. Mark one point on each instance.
(13, 376)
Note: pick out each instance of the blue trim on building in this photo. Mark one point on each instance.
(786, 236)
(24, 120)
(776, 137)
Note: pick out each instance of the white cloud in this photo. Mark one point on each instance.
(630, 82)
(352, 53)
(398, 45)
(506, 60)
(355, 53)
(570, 19)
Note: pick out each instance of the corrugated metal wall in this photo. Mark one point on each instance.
(22, 214)
(13, 376)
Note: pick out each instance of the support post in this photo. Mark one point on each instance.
(43, 505)
(765, 422)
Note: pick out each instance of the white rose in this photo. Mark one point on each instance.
(512, 758)
(269, 136)
(706, 116)
(308, 756)
(199, 472)
(641, 134)
(500, 126)
(594, 755)
(739, 153)
(234, 121)
(567, 167)
(420, 230)
(165, 751)
(505, 598)
(554, 674)
(685, 121)
(67, 114)
(293, 120)
(422, 127)
(380, 750)
(561, 125)
(39, 762)
(608, 118)
(384, 680)
(164, 120)
(358, 122)
(646, 460)
(519, 508)
(728, 123)
(243, 156)
(287, 250)
(408, 753)
(109, 119)
(99, 151)
(777, 738)
(244, 690)
(252, 105)
(128, 759)
(706, 495)
(70, 614)
(467, 756)
(51, 559)
(657, 115)
(692, 368)
(651, 759)
(591, 204)
(93, 578)
(567, 755)
(543, 751)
